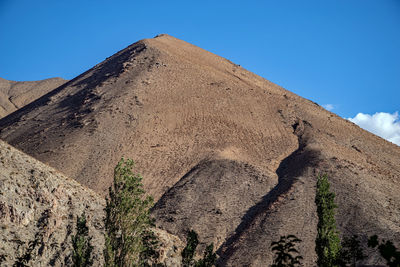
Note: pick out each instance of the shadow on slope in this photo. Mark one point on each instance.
(288, 172)
(220, 199)
(211, 199)
(79, 90)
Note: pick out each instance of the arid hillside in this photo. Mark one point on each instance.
(38, 211)
(222, 150)
(15, 95)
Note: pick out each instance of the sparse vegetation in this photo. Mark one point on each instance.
(209, 257)
(81, 243)
(327, 243)
(188, 253)
(129, 239)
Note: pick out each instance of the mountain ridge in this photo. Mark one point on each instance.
(14, 95)
(191, 119)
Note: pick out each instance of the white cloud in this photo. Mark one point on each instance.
(383, 124)
(329, 106)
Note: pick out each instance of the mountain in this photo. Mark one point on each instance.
(15, 95)
(223, 151)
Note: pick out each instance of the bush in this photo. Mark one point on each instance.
(209, 257)
(188, 252)
(82, 249)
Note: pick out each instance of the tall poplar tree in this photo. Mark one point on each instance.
(327, 243)
(128, 235)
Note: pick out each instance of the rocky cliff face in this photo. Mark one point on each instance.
(38, 211)
(224, 151)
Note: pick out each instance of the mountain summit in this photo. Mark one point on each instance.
(223, 151)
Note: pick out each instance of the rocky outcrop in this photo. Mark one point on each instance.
(38, 211)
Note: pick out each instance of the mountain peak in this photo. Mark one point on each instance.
(164, 35)
(222, 150)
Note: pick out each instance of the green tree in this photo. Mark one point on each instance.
(285, 252)
(188, 253)
(350, 252)
(129, 239)
(82, 248)
(192, 240)
(209, 258)
(387, 250)
(327, 243)
(150, 253)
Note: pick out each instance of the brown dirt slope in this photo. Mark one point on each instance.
(15, 95)
(223, 150)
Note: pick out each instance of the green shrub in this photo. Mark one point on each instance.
(209, 257)
(82, 248)
(188, 253)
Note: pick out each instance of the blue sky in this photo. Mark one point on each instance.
(340, 52)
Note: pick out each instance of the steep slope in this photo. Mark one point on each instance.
(224, 151)
(38, 211)
(15, 95)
